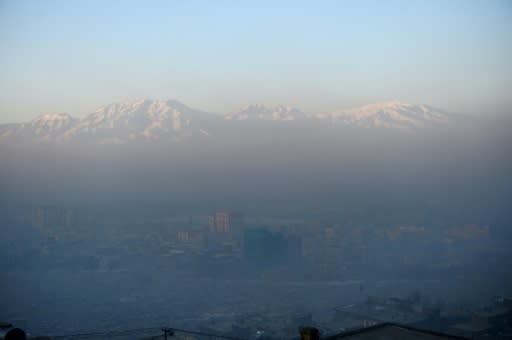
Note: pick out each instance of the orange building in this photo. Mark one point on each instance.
(219, 222)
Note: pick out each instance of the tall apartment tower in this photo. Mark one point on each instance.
(219, 222)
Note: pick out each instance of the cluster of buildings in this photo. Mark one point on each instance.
(493, 321)
(229, 243)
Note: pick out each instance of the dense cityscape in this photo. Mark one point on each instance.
(338, 273)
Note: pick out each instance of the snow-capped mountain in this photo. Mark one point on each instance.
(262, 112)
(115, 123)
(142, 119)
(392, 114)
(149, 120)
(47, 127)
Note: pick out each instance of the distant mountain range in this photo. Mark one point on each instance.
(151, 120)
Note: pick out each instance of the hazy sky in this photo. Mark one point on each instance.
(72, 56)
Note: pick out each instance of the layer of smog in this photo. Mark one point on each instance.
(205, 234)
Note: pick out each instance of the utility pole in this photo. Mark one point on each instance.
(167, 331)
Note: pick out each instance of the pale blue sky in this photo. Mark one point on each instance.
(72, 56)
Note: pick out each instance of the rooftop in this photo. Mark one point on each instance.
(391, 331)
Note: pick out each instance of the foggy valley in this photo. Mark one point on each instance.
(119, 236)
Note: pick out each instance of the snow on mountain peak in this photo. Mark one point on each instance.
(145, 119)
(390, 114)
(139, 119)
(52, 116)
(50, 123)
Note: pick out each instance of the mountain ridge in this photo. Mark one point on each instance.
(151, 120)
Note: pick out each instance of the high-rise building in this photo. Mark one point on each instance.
(219, 222)
(183, 236)
(52, 217)
(264, 248)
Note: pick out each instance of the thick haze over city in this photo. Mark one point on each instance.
(246, 169)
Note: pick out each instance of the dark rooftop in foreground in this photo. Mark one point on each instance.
(391, 331)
